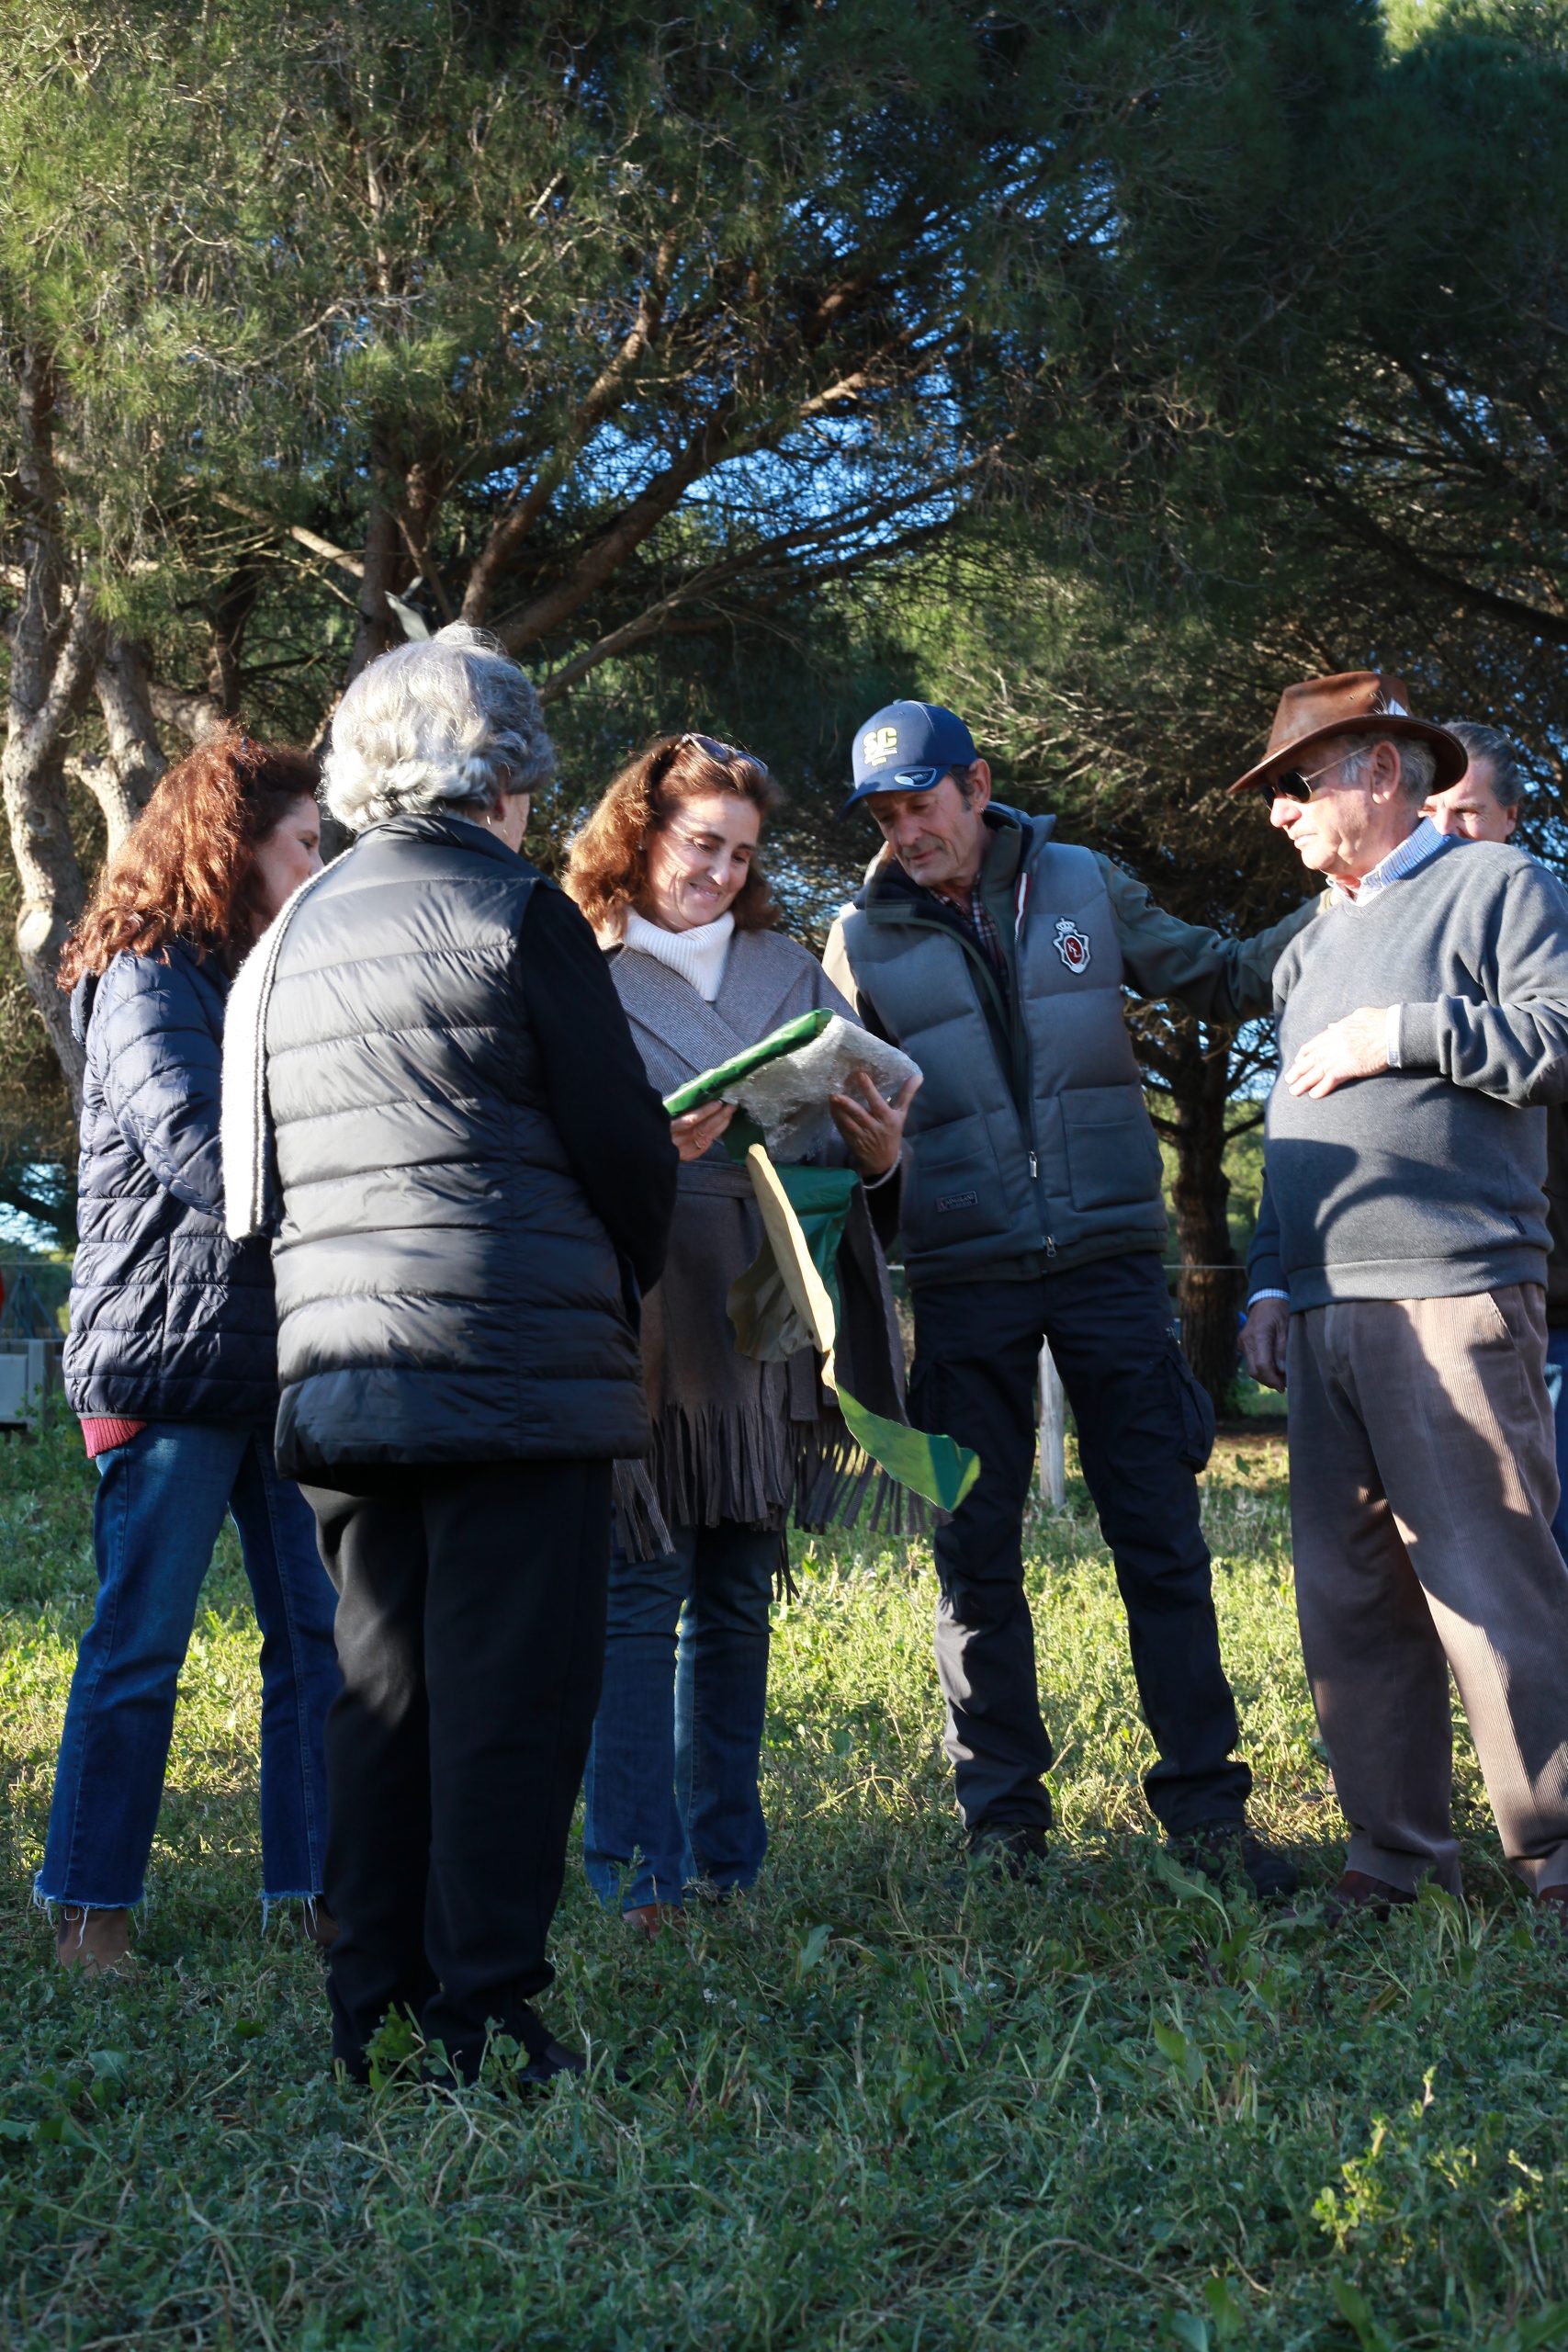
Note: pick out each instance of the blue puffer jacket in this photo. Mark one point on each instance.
(170, 1320)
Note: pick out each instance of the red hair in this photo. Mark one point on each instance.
(607, 868)
(187, 868)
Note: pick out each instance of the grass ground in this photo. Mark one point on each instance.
(858, 2109)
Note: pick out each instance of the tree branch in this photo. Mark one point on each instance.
(1535, 617)
(603, 395)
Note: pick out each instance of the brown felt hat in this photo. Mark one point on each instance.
(1359, 702)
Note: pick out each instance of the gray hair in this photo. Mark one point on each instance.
(445, 722)
(1418, 761)
(1490, 743)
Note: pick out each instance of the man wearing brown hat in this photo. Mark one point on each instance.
(1397, 1282)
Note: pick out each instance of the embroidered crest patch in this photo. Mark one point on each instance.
(1071, 946)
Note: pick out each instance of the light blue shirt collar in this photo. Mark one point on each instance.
(1417, 850)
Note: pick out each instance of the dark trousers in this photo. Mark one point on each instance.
(471, 1631)
(1144, 1428)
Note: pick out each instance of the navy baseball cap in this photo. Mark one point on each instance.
(907, 748)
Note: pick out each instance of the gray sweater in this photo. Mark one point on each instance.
(1425, 1181)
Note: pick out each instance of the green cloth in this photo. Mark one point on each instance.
(767, 1320)
(712, 1084)
(788, 1299)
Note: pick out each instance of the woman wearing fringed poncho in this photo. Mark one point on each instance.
(665, 870)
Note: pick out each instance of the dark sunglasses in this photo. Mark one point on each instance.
(1296, 784)
(722, 752)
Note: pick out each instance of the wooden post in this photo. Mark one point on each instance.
(1053, 1433)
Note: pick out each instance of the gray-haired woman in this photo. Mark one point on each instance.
(473, 1185)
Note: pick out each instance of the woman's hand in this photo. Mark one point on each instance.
(695, 1131)
(873, 1128)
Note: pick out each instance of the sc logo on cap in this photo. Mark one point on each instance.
(878, 745)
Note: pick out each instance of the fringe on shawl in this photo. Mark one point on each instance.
(754, 1466)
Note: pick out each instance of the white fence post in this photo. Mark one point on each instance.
(1053, 1433)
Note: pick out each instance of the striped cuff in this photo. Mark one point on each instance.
(1390, 1034)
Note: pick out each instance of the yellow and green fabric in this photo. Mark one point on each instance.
(788, 1299)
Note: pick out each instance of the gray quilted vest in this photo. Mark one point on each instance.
(1075, 1174)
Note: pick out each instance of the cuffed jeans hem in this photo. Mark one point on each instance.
(44, 1901)
(623, 1887)
(309, 1895)
(726, 1881)
(1401, 1868)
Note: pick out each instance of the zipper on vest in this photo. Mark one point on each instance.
(1033, 1165)
(1049, 1245)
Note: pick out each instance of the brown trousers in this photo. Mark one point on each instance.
(1423, 1482)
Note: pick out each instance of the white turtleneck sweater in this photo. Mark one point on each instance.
(698, 956)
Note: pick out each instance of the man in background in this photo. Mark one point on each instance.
(1397, 1280)
(1484, 805)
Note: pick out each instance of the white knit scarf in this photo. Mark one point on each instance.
(698, 956)
(246, 1127)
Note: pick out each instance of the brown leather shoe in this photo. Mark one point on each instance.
(96, 1942)
(318, 1926)
(650, 1919)
(1358, 1891)
(1551, 1907)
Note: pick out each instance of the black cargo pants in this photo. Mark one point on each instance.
(1144, 1427)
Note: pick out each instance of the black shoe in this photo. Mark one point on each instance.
(541, 2058)
(1223, 1849)
(544, 2055)
(1357, 1891)
(545, 2064)
(1016, 1849)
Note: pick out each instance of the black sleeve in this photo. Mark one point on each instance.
(614, 1127)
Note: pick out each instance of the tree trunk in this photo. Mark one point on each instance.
(122, 785)
(194, 716)
(54, 650)
(230, 613)
(1212, 1278)
(377, 627)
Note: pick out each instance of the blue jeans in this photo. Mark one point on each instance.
(161, 1501)
(1557, 1388)
(671, 1788)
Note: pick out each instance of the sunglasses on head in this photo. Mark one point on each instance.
(1296, 784)
(710, 744)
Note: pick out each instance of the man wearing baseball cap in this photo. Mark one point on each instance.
(1398, 1283)
(997, 955)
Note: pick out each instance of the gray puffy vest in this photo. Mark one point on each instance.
(1076, 1174)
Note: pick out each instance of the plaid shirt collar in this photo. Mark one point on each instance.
(1417, 850)
(977, 917)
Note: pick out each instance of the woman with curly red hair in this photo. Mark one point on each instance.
(666, 871)
(172, 1358)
